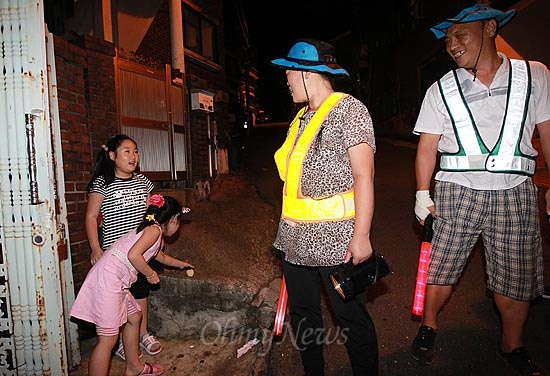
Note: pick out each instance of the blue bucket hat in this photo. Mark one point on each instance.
(312, 56)
(477, 12)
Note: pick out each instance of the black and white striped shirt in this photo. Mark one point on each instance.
(123, 207)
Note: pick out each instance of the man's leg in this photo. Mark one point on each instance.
(422, 347)
(436, 297)
(513, 315)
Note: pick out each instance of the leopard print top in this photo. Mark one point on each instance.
(326, 171)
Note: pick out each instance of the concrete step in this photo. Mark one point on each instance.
(202, 325)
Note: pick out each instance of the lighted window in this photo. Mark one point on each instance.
(199, 34)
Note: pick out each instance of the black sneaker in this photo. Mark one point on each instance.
(422, 348)
(519, 359)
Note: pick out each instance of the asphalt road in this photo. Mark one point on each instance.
(469, 328)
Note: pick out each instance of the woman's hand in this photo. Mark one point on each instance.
(359, 249)
(95, 255)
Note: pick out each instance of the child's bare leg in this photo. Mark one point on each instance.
(143, 329)
(130, 340)
(143, 303)
(100, 359)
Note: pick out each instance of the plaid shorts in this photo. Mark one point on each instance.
(508, 222)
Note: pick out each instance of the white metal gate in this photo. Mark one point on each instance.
(36, 286)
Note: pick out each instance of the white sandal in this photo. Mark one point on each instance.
(120, 351)
(150, 344)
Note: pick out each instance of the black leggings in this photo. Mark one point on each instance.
(356, 327)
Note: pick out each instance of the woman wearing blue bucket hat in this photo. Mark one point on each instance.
(327, 165)
(480, 119)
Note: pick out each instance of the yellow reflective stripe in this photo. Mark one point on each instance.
(338, 207)
(283, 152)
(303, 143)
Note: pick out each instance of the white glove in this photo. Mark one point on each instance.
(423, 202)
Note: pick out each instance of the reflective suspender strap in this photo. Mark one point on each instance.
(282, 154)
(472, 153)
(506, 155)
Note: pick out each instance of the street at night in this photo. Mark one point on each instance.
(201, 94)
(231, 236)
(469, 327)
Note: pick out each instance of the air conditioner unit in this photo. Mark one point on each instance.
(202, 101)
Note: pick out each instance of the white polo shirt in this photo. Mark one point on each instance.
(487, 105)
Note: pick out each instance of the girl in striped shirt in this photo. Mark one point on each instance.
(118, 198)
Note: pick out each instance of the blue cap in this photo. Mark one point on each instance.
(477, 12)
(312, 56)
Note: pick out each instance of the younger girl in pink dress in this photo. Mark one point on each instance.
(104, 298)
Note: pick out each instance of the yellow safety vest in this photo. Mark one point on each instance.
(289, 159)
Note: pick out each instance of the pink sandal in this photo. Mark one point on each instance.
(152, 370)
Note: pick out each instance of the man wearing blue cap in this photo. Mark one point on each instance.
(327, 165)
(481, 118)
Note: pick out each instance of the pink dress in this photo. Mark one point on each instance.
(104, 297)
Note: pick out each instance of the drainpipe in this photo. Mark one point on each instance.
(178, 62)
(176, 29)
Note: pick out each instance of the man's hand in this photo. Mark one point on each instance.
(547, 198)
(423, 206)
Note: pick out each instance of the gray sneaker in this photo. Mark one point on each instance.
(422, 348)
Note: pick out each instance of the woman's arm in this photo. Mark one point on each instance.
(362, 165)
(92, 214)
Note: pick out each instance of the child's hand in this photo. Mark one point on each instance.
(153, 278)
(190, 269)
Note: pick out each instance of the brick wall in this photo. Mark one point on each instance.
(156, 42)
(199, 142)
(87, 112)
